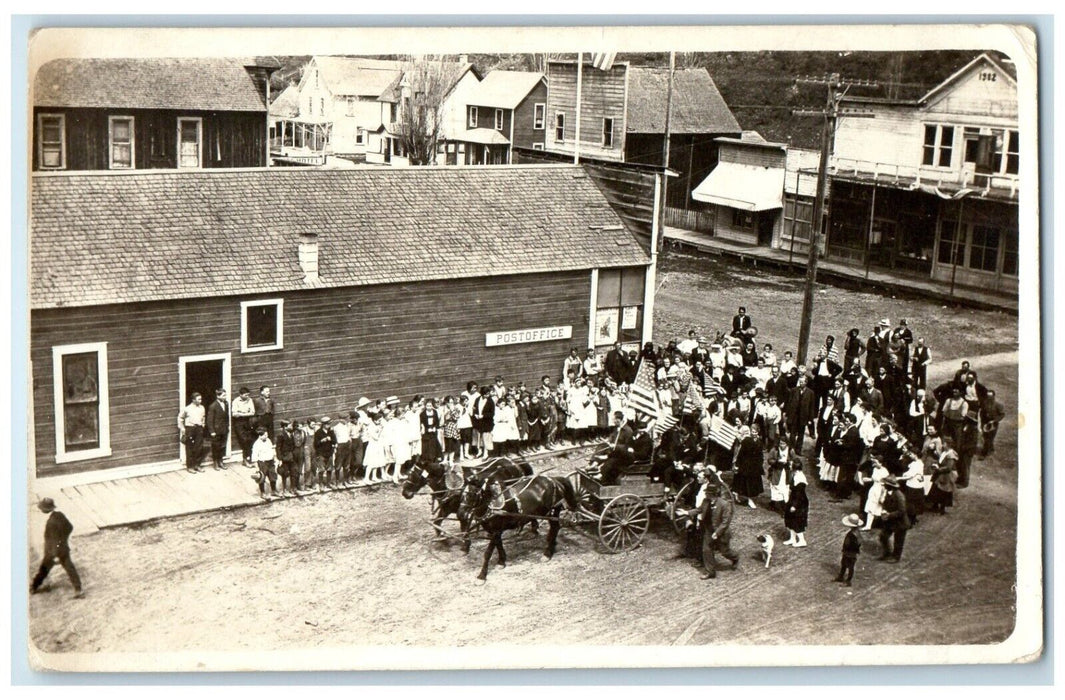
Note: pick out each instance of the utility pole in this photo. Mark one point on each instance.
(835, 89)
(665, 148)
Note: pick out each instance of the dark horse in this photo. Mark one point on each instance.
(498, 509)
(447, 501)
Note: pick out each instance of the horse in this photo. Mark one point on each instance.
(498, 509)
(446, 500)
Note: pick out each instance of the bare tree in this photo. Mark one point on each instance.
(421, 93)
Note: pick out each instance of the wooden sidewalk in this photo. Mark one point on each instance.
(849, 275)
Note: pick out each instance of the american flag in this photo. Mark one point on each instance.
(642, 396)
(712, 388)
(665, 421)
(832, 354)
(692, 401)
(724, 434)
(604, 61)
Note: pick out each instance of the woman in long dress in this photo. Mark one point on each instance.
(747, 483)
(941, 495)
(797, 510)
(779, 458)
(874, 501)
(430, 426)
(397, 443)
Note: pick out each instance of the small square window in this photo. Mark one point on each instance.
(262, 325)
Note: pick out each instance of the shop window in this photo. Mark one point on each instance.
(743, 219)
(938, 145)
(121, 142)
(949, 239)
(1009, 254)
(983, 249)
(798, 215)
(262, 325)
(51, 141)
(619, 306)
(82, 423)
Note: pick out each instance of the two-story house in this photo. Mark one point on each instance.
(357, 100)
(506, 109)
(623, 118)
(135, 114)
(931, 184)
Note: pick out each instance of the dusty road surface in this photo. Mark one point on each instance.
(360, 567)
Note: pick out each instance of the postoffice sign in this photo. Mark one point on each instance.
(527, 335)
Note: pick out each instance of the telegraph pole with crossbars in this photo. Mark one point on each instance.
(836, 88)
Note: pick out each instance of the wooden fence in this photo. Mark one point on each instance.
(690, 220)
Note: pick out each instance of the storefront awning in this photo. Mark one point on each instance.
(739, 186)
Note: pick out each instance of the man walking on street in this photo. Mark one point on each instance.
(993, 414)
(218, 428)
(717, 530)
(191, 422)
(56, 548)
(895, 521)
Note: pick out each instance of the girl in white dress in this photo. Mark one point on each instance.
(874, 502)
(397, 446)
(505, 430)
(374, 458)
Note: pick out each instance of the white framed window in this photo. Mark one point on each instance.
(938, 145)
(360, 136)
(473, 118)
(82, 403)
(608, 132)
(539, 111)
(190, 142)
(262, 324)
(538, 146)
(560, 126)
(499, 120)
(351, 106)
(52, 141)
(120, 143)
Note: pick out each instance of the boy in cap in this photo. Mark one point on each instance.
(286, 453)
(56, 548)
(323, 453)
(852, 545)
(265, 458)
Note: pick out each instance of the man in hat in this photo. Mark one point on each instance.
(967, 443)
(342, 450)
(264, 410)
(218, 427)
(894, 521)
(286, 454)
(700, 353)
(359, 422)
(875, 347)
(243, 412)
(716, 517)
(191, 422)
(324, 442)
(922, 357)
(56, 548)
(993, 413)
(902, 337)
(622, 452)
(265, 458)
(592, 367)
(616, 364)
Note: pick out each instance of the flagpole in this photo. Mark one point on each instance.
(577, 137)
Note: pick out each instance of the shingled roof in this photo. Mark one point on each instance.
(698, 107)
(107, 238)
(504, 88)
(220, 84)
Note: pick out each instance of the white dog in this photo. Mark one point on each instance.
(766, 542)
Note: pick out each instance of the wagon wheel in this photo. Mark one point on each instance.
(678, 508)
(623, 523)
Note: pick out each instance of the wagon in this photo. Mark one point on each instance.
(622, 511)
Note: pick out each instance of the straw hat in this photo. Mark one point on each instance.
(363, 402)
(852, 520)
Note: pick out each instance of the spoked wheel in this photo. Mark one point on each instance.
(681, 505)
(623, 523)
(587, 500)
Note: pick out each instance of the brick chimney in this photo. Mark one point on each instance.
(308, 257)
